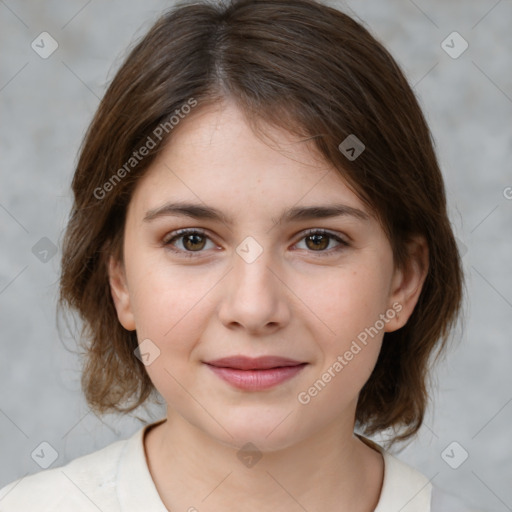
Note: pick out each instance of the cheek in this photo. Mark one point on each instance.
(349, 300)
(350, 303)
(171, 305)
(164, 307)
(168, 312)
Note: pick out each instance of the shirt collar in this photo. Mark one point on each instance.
(403, 487)
(136, 490)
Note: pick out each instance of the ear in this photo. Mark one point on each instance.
(120, 293)
(407, 283)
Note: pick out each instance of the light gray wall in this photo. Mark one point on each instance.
(46, 105)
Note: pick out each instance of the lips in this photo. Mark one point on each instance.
(258, 363)
(255, 374)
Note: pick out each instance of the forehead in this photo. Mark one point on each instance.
(214, 157)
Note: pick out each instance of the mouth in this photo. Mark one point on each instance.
(254, 363)
(253, 374)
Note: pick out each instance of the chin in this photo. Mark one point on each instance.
(267, 434)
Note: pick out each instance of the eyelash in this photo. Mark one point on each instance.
(196, 231)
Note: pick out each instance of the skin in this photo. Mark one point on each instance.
(295, 300)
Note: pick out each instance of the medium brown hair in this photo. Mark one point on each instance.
(294, 64)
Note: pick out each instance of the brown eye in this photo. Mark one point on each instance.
(186, 242)
(317, 242)
(193, 242)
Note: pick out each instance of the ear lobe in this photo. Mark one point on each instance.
(408, 282)
(120, 293)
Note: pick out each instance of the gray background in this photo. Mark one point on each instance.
(46, 105)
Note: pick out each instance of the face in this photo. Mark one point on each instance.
(252, 270)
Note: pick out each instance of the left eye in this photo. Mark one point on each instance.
(194, 241)
(319, 240)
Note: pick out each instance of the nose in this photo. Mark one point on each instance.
(255, 297)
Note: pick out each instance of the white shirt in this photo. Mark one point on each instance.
(117, 479)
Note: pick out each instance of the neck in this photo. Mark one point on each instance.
(332, 471)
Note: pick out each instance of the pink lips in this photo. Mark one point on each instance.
(255, 374)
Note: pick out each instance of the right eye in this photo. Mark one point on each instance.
(192, 241)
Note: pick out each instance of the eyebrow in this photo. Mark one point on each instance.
(295, 214)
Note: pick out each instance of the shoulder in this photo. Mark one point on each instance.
(86, 483)
(406, 489)
(426, 496)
